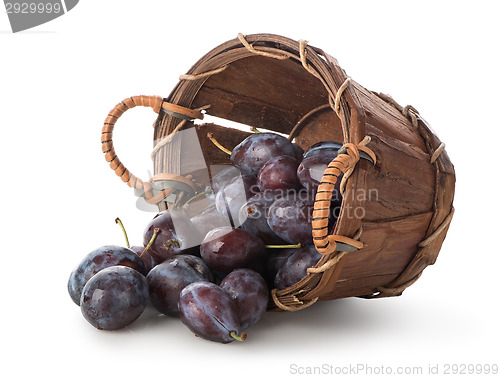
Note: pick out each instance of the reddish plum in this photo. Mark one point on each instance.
(209, 312)
(294, 268)
(225, 249)
(167, 279)
(177, 235)
(253, 152)
(249, 291)
(279, 173)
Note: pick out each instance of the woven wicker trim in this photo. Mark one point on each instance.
(438, 231)
(144, 188)
(203, 74)
(334, 101)
(291, 302)
(343, 163)
(253, 50)
(437, 152)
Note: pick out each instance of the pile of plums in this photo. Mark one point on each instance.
(215, 270)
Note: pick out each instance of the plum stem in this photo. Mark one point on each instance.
(156, 231)
(118, 220)
(254, 129)
(235, 336)
(219, 146)
(199, 195)
(283, 246)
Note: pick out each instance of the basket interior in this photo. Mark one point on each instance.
(273, 95)
(268, 94)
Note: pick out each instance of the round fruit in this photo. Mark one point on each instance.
(177, 235)
(114, 297)
(167, 279)
(225, 249)
(276, 259)
(95, 261)
(321, 148)
(279, 173)
(223, 177)
(232, 196)
(249, 291)
(311, 170)
(290, 218)
(299, 151)
(253, 216)
(209, 312)
(206, 222)
(149, 261)
(253, 152)
(294, 268)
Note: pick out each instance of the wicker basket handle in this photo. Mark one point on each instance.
(157, 104)
(346, 160)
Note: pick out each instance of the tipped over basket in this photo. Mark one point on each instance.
(398, 182)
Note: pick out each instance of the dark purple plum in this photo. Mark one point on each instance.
(279, 173)
(311, 170)
(321, 148)
(224, 177)
(209, 312)
(253, 152)
(249, 291)
(253, 216)
(220, 179)
(177, 235)
(149, 261)
(114, 297)
(299, 151)
(206, 222)
(232, 196)
(167, 279)
(290, 218)
(276, 259)
(225, 249)
(95, 261)
(294, 268)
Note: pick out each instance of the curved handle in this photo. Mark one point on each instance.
(347, 158)
(154, 102)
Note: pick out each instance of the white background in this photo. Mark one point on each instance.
(59, 198)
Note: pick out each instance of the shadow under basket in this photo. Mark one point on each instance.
(398, 184)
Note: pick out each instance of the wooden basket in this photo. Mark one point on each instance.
(398, 184)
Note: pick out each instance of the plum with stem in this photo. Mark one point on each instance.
(209, 312)
(166, 280)
(97, 260)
